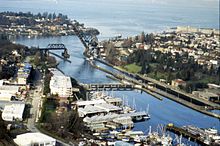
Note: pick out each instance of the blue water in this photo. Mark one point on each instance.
(126, 17)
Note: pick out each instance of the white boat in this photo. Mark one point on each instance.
(211, 131)
(166, 140)
(147, 117)
(125, 139)
(139, 118)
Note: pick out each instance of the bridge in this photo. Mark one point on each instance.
(50, 47)
(89, 41)
(108, 87)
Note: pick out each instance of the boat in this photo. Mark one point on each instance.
(139, 118)
(211, 131)
(147, 117)
(166, 140)
(126, 139)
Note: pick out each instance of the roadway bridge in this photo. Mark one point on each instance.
(108, 87)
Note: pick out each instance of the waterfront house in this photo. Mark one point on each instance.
(178, 82)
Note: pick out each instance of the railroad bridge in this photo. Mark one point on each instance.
(108, 87)
(50, 47)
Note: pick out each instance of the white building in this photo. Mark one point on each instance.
(60, 84)
(8, 89)
(22, 79)
(13, 110)
(5, 96)
(31, 139)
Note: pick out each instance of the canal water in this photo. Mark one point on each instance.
(126, 17)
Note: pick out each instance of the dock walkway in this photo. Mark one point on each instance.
(111, 117)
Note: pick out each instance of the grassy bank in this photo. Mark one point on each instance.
(132, 68)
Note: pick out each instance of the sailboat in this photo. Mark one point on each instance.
(147, 117)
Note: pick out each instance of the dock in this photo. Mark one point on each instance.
(194, 134)
(110, 117)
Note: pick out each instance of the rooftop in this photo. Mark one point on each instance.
(113, 100)
(89, 109)
(30, 138)
(91, 102)
(60, 82)
(108, 107)
(9, 88)
(13, 110)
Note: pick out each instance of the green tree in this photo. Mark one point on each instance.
(37, 59)
(142, 38)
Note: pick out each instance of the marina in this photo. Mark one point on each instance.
(112, 119)
(103, 112)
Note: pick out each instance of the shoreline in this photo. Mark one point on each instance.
(169, 96)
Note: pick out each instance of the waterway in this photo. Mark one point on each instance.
(126, 18)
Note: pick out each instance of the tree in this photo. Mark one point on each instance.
(169, 77)
(37, 59)
(50, 16)
(149, 38)
(127, 43)
(218, 75)
(54, 16)
(45, 14)
(142, 38)
(3, 131)
(39, 15)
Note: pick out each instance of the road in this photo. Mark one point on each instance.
(36, 95)
(36, 99)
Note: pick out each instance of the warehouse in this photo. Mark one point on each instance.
(30, 139)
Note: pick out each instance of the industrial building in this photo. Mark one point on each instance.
(13, 111)
(34, 139)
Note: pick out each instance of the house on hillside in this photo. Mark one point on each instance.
(178, 82)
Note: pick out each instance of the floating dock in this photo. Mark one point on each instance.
(194, 134)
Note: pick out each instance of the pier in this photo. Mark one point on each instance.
(136, 116)
(195, 134)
